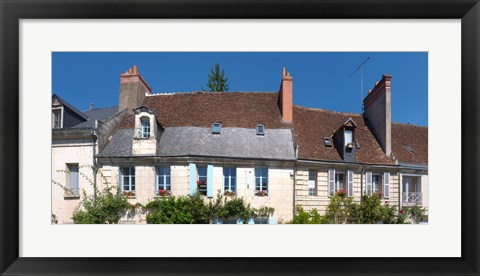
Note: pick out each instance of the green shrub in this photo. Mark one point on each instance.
(108, 207)
(303, 217)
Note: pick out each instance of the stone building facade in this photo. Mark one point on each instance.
(256, 144)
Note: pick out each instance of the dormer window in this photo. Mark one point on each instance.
(327, 141)
(57, 118)
(260, 129)
(145, 127)
(216, 127)
(348, 138)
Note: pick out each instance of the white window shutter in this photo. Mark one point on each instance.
(386, 185)
(350, 184)
(368, 183)
(331, 182)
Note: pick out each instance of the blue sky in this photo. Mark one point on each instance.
(320, 79)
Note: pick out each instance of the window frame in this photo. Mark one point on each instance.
(344, 173)
(216, 125)
(145, 130)
(258, 169)
(230, 178)
(198, 167)
(130, 178)
(167, 178)
(70, 192)
(315, 188)
(380, 184)
(58, 111)
(260, 133)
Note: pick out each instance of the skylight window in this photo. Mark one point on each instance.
(327, 141)
(216, 127)
(409, 149)
(260, 129)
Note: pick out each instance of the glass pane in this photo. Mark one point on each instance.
(348, 136)
(168, 180)
(311, 175)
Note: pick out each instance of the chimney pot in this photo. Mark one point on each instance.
(284, 70)
(130, 70)
(135, 70)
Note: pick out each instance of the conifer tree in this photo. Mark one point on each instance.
(217, 82)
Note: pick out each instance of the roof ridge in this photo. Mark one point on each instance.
(326, 110)
(408, 124)
(205, 92)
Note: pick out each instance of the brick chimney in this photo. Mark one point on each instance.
(285, 101)
(378, 111)
(132, 90)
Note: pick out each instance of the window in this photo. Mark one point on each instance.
(260, 129)
(57, 118)
(145, 127)
(340, 181)
(348, 137)
(411, 190)
(216, 127)
(202, 180)
(377, 183)
(163, 178)
(128, 179)
(229, 179)
(327, 141)
(312, 182)
(261, 181)
(72, 180)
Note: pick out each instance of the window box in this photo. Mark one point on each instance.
(229, 193)
(163, 193)
(261, 193)
(129, 194)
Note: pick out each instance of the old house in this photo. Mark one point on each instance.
(257, 145)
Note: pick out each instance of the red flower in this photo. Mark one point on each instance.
(401, 211)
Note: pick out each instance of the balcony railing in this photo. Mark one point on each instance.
(412, 198)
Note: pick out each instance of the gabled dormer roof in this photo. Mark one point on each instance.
(56, 100)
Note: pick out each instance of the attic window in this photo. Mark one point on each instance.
(348, 137)
(260, 129)
(409, 149)
(145, 127)
(327, 141)
(216, 127)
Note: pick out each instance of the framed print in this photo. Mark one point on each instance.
(307, 157)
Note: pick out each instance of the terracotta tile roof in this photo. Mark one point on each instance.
(201, 109)
(311, 125)
(410, 143)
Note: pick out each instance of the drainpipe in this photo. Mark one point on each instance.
(400, 180)
(94, 167)
(361, 182)
(294, 186)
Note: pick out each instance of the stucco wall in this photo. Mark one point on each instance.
(280, 186)
(79, 153)
(321, 200)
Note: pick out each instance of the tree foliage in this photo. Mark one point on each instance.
(217, 81)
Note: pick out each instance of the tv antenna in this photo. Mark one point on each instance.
(360, 67)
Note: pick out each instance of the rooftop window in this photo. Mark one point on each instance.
(216, 127)
(260, 129)
(327, 141)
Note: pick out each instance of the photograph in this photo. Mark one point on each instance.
(239, 138)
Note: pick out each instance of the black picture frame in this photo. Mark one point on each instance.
(12, 11)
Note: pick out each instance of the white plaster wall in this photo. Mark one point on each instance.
(62, 154)
(321, 200)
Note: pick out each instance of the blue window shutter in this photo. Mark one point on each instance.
(193, 178)
(210, 180)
